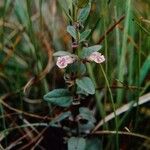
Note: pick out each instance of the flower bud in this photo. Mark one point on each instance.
(74, 45)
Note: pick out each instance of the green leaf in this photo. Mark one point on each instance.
(84, 13)
(72, 31)
(77, 67)
(61, 53)
(93, 144)
(76, 143)
(59, 118)
(87, 51)
(86, 84)
(82, 3)
(65, 5)
(84, 35)
(86, 114)
(21, 13)
(81, 91)
(60, 97)
(144, 69)
(86, 127)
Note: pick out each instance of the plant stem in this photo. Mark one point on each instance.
(122, 64)
(98, 96)
(113, 105)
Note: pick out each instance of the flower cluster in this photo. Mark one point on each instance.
(63, 61)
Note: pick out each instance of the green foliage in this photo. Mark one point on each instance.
(61, 53)
(89, 50)
(31, 32)
(81, 92)
(59, 97)
(76, 143)
(60, 118)
(86, 84)
(85, 128)
(72, 31)
(93, 144)
(86, 114)
(77, 67)
(145, 69)
(84, 35)
(21, 12)
(81, 3)
(84, 13)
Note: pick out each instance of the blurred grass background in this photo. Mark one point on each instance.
(31, 30)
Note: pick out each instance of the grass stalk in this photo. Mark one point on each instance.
(98, 96)
(122, 65)
(113, 105)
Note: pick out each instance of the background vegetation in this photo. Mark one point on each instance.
(31, 30)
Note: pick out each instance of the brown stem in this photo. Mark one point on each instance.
(110, 29)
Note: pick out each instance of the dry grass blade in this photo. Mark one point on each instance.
(143, 99)
(20, 111)
(1, 147)
(122, 133)
(17, 142)
(48, 67)
(34, 139)
(37, 143)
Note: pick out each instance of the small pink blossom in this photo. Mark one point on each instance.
(63, 61)
(96, 57)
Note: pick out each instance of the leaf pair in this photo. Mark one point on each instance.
(63, 98)
(86, 51)
(82, 37)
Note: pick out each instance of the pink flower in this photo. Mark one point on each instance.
(63, 61)
(97, 57)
